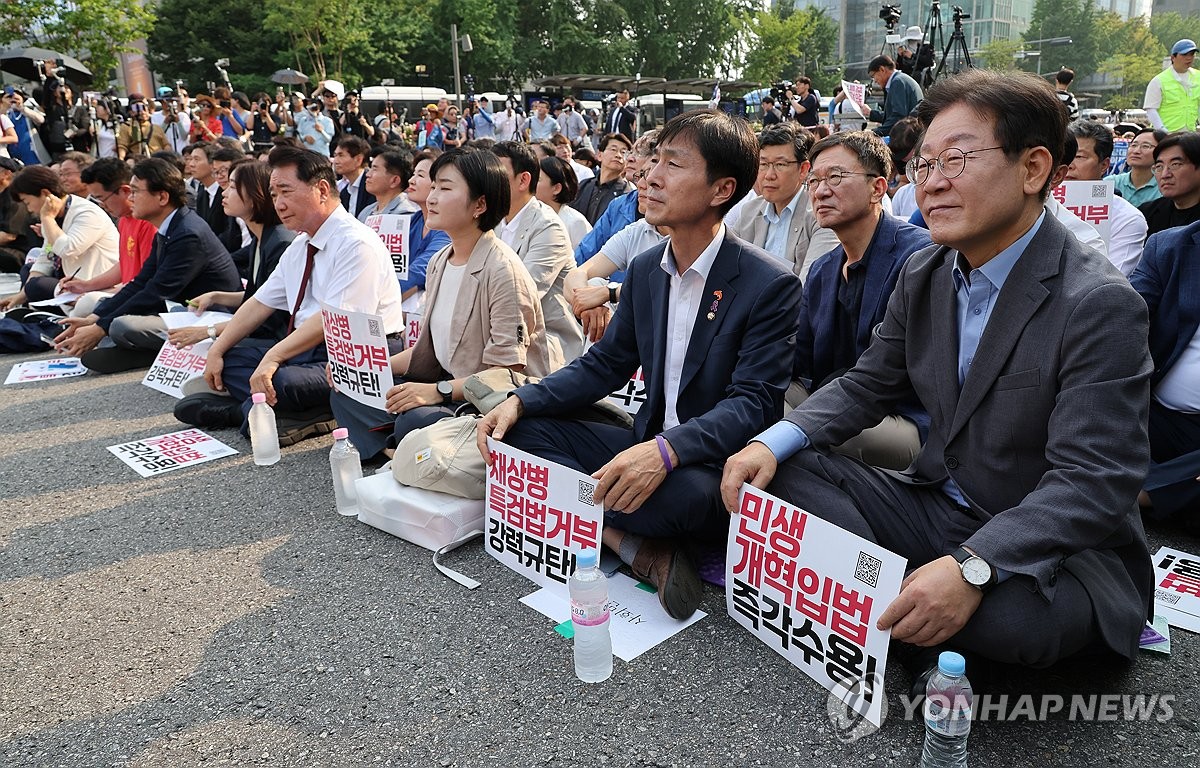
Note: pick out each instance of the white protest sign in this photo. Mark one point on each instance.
(637, 621)
(539, 516)
(359, 359)
(412, 329)
(175, 367)
(393, 230)
(189, 319)
(167, 453)
(812, 592)
(630, 397)
(45, 370)
(1090, 201)
(856, 93)
(1177, 588)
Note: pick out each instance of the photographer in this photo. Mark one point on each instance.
(806, 108)
(771, 114)
(53, 129)
(261, 123)
(314, 128)
(232, 123)
(139, 137)
(352, 120)
(174, 121)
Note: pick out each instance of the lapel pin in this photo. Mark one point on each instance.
(712, 310)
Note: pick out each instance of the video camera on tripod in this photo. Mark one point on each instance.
(779, 91)
(890, 15)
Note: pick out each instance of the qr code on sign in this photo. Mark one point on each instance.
(867, 570)
(373, 328)
(1166, 597)
(586, 491)
(1099, 191)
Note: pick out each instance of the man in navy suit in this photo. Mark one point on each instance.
(1168, 278)
(848, 288)
(712, 321)
(186, 260)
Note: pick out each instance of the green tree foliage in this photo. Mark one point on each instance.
(94, 31)
(1136, 57)
(789, 43)
(999, 54)
(1168, 28)
(1076, 19)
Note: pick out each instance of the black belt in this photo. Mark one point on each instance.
(397, 336)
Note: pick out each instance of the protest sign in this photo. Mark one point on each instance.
(856, 93)
(1090, 201)
(812, 592)
(45, 370)
(539, 516)
(175, 367)
(412, 329)
(393, 229)
(359, 359)
(167, 453)
(630, 397)
(1116, 161)
(637, 623)
(1177, 588)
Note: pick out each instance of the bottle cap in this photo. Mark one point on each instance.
(951, 663)
(588, 558)
(341, 433)
(259, 397)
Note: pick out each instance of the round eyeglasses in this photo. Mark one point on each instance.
(951, 162)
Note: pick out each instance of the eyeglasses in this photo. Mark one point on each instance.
(106, 198)
(640, 175)
(777, 167)
(834, 179)
(951, 162)
(1175, 166)
(1142, 145)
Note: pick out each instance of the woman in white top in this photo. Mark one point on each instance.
(482, 308)
(104, 127)
(557, 188)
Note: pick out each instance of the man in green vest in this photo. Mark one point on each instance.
(1173, 96)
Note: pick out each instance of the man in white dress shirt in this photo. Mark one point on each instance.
(1128, 226)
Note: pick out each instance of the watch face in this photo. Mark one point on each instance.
(976, 571)
(445, 388)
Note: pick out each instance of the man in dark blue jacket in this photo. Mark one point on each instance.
(848, 288)
(712, 322)
(1168, 278)
(186, 260)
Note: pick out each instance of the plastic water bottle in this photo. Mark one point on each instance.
(346, 466)
(948, 704)
(590, 615)
(264, 437)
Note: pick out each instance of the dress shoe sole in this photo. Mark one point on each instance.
(680, 594)
(293, 435)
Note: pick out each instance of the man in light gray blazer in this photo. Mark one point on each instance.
(535, 231)
(1028, 350)
(781, 221)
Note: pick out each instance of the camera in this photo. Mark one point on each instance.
(224, 103)
(262, 106)
(958, 13)
(779, 90)
(890, 14)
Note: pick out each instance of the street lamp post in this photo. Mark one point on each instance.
(1047, 41)
(465, 42)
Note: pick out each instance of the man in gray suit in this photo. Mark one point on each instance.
(1028, 350)
(535, 231)
(781, 221)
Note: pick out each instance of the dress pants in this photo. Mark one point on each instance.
(1014, 624)
(686, 505)
(300, 383)
(372, 429)
(1175, 454)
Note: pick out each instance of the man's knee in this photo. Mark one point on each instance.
(892, 444)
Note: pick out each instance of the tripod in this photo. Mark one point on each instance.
(957, 45)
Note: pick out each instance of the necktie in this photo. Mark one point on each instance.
(202, 203)
(345, 194)
(308, 268)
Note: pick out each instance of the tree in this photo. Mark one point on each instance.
(1076, 19)
(1136, 59)
(320, 34)
(94, 31)
(1168, 28)
(686, 38)
(999, 54)
(791, 43)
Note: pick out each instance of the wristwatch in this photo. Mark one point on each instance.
(212, 332)
(612, 292)
(446, 390)
(975, 570)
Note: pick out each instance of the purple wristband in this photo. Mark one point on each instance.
(662, 449)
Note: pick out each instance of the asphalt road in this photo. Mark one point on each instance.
(226, 615)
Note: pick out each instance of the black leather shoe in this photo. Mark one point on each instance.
(117, 359)
(295, 426)
(210, 411)
(670, 569)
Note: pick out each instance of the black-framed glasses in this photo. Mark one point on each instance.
(640, 175)
(834, 179)
(951, 162)
(1175, 166)
(780, 166)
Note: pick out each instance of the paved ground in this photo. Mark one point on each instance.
(226, 615)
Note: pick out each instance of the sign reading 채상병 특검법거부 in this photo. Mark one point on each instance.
(174, 367)
(812, 592)
(359, 359)
(539, 516)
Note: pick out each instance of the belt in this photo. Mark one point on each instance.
(398, 335)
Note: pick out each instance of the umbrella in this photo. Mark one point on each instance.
(21, 62)
(289, 76)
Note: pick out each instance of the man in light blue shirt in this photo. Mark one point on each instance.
(1028, 350)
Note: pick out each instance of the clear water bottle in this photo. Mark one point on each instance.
(264, 437)
(590, 615)
(346, 466)
(948, 704)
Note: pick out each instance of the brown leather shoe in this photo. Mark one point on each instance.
(668, 567)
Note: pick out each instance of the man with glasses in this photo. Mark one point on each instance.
(1019, 517)
(781, 222)
(847, 289)
(1138, 185)
(1177, 168)
(1128, 226)
(596, 193)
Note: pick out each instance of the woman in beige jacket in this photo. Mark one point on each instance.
(482, 309)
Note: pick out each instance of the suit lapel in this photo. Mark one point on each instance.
(944, 311)
(1018, 300)
(657, 297)
(719, 291)
(878, 267)
(1188, 297)
(468, 289)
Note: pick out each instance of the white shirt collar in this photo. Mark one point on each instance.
(703, 265)
(511, 225)
(211, 189)
(328, 229)
(162, 228)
